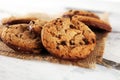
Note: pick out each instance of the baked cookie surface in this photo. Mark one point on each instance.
(20, 38)
(71, 13)
(68, 39)
(37, 25)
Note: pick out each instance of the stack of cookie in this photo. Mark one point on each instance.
(17, 35)
(72, 37)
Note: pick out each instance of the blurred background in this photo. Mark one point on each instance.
(55, 6)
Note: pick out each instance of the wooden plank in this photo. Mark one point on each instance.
(112, 47)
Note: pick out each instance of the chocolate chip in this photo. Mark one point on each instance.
(16, 35)
(72, 26)
(93, 40)
(16, 27)
(63, 43)
(19, 35)
(59, 36)
(60, 21)
(80, 43)
(66, 30)
(86, 41)
(57, 47)
(54, 23)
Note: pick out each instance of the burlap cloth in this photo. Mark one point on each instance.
(89, 62)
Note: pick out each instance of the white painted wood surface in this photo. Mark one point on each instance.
(18, 69)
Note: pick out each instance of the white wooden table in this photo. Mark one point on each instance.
(18, 69)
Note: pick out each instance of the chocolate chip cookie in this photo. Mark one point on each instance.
(68, 39)
(71, 13)
(93, 22)
(20, 38)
